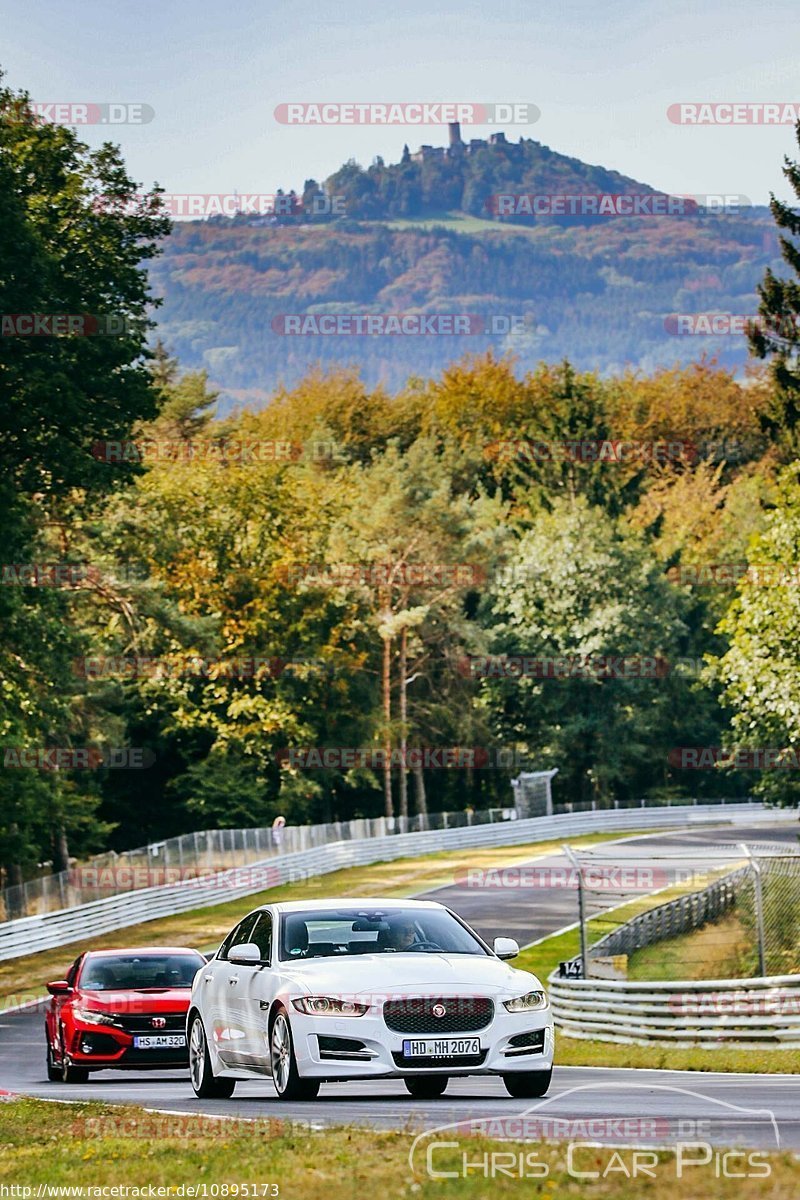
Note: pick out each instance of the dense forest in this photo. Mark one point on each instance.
(363, 599)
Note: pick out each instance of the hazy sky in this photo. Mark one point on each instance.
(602, 72)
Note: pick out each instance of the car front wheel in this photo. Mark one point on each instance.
(426, 1087)
(66, 1072)
(285, 1075)
(53, 1070)
(204, 1082)
(525, 1084)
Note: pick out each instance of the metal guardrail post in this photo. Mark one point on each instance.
(759, 903)
(581, 909)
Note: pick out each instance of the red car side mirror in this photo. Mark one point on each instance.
(58, 987)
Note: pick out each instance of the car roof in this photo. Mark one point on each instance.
(141, 950)
(349, 902)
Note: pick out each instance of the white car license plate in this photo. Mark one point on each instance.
(441, 1047)
(160, 1041)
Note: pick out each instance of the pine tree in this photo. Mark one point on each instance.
(163, 368)
(777, 334)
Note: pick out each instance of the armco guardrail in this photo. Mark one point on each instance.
(205, 851)
(30, 934)
(757, 1013)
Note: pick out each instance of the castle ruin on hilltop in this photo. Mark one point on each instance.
(456, 146)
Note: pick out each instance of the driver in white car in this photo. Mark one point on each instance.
(401, 935)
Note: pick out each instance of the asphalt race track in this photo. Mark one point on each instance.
(720, 1108)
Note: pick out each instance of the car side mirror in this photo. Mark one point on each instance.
(505, 947)
(59, 987)
(248, 954)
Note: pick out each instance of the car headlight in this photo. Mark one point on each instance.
(527, 1003)
(328, 1006)
(89, 1017)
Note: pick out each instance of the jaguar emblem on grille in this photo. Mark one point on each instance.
(158, 1022)
(439, 1010)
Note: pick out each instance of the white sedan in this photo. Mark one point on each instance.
(365, 989)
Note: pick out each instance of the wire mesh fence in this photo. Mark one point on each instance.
(728, 911)
(206, 852)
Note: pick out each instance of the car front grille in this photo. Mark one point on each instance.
(143, 1022)
(461, 1014)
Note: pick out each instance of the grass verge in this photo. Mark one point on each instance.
(716, 951)
(92, 1145)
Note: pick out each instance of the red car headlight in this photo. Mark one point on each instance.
(91, 1017)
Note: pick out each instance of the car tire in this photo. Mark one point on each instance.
(426, 1087)
(283, 1063)
(53, 1070)
(524, 1085)
(70, 1074)
(205, 1083)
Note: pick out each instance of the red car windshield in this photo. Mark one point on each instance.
(139, 973)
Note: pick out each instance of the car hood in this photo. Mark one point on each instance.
(422, 974)
(166, 1000)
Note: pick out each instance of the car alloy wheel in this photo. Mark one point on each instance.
(204, 1082)
(285, 1076)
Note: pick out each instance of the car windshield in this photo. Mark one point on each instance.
(334, 932)
(139, 972)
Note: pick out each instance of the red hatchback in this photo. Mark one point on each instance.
(121, 1009)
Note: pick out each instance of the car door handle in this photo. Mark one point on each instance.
(233, 979)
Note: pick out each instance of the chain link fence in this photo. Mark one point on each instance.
(732, 912)
(768, 907)
(205, 852)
